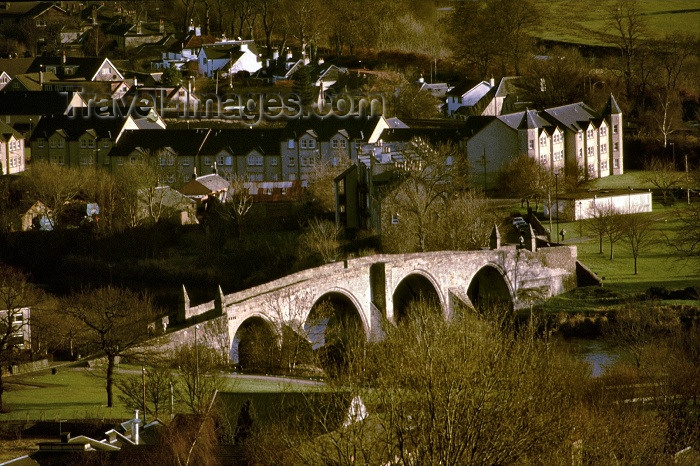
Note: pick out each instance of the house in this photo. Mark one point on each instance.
(11, 67)
(85, 136)
(204, 188)
(44, 19)
(77, 68)
(470, 98)
(165, 203)
(174, 151)
(127, 36)
(229, 58)
(185, 50)
(23, 110)
(165, 100)
(19, 319)
(12, 150)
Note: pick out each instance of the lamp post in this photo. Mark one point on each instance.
(556, 197)
(196, 362)
(673, 151)
(580, 216)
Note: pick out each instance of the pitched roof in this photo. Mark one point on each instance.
(573, 116)
(611, 107)
(34, 102)
(531, 119)
(6, 132)
(357, 127)
(181, 141)
(240, 141)
(81, 67)
(74, 126)
(15, 66)
(213, 182)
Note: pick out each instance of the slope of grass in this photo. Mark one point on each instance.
(78, 393)
(586, 22)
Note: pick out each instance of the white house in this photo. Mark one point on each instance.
(468, 96)
(230, 57)
(12, 155)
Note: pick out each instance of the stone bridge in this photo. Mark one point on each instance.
(377, 289)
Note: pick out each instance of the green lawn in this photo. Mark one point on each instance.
(658, 265)
(78, 393)
(585, 22)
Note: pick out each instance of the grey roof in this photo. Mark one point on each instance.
(356, 127)
(573, 116)
(240, 141)
(213, 182)
(611, 107)
(76, 125)
(181, 141)
(531, 119)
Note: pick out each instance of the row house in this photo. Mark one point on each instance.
(82, 137)
(12, 153)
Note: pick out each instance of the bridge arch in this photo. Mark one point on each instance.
(335, 324)
(255, 344)
(417, 284)
(490, 285)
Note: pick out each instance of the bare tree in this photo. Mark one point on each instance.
(628, 26)
(149, 391)
(16, 295)
(56, 186)
(429, 177)
(663, 176)
(199, 368)
(114, 320)
(638, 233)
(240, 201)
(321, 238)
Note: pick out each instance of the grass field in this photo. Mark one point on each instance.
(78, 393)
(584, 22)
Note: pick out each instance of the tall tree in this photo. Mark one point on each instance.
(115, 321)
(638, 233)
(56, 186)
(16, 294)
(628, 26)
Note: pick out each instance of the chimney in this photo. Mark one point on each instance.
(289, 54)
(63, 57)
(191, 28)
(244, 47)
(321, 61)
(492, 81)
(135, 426)
(216, 172)
(161, 27)
(306, 60)
(198, 31)
(136, 81)
(267, 63)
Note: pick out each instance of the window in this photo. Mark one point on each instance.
(106, 71)
(589, 151)
(604, 165)
(291, 161)
(304, 144)
(589, 134)
(532, 144)
(251, 160)
(290, 144)
(275, 177)
(343, 143)
(268, 191)
(60, 143)
(580, 152)
(207, 160)
(304, 161)
(105, 144)
(543, 141)
(40, 143)
(335, 144)
(83, 143)
(603, 148)
(556, 138)
(185, 161)
(273, 161)
(616, 146)
(580, 136)
(591, 169)
(616, 163)
(292, 177)
(284, 191)
(91, 143)
(603, 131)
(614, 129)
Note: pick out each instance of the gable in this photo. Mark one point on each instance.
(107, 72)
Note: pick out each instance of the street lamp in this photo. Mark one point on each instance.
(580, 215)
(673, 151)
(556, 196)
(196, 361)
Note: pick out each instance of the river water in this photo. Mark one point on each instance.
(597, 353)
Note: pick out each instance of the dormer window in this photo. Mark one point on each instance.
(589, 134)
